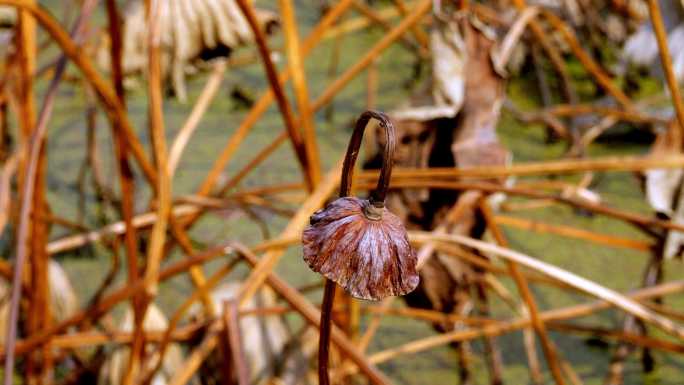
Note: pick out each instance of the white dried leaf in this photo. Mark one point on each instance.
(676, 45)
(8, 16)
(189, 28)
(63, 299)
(113, 370)
(675, 239)
(661, 186)
(641, 48)
(448, 67)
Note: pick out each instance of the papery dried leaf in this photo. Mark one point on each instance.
(370, 259)
(661, 187)
(192, 32)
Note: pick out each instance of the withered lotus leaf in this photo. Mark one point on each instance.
(361, 247)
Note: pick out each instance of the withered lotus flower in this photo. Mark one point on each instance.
(362, 247)
(358, 243)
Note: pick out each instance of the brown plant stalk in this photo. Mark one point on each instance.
(30, 180)
(350, 244)
(116, 111)
(281, 98)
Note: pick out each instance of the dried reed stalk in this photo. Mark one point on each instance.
(564, 166)
(666, 61)
(376, 19)
(357, 23)
(197, 355)
(120, 227)
(117, 112)
(35, 234)
(294, 228)
(296, 64)
(321, 101)
(602, 78)
(422, 37)
(276, 87)
(634, 116)
(121, 149)
(33, 182)
(198, 111)
(332, 89)
(636, 219)
(326, 96)
(253, 163)
(553, 53)
(156, 121)
(572, 232)
(265, 100)
(232, 327)
(578, 282)
(523, 288)
(122, 294)
(502, 327)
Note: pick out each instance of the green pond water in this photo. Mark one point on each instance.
(620, 269)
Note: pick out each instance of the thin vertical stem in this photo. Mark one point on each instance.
(126, 177)
(33, 183)
(156, 119)
(324, 336)
(26, 47)
(232, 326)
(294, 56)
(666, 61)
(312, 316)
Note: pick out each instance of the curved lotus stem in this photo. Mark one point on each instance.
(374, 211)
(377, 197)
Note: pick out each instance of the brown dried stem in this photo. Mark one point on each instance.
(203, 102)
(377, 199)
(281, 98)
(232, 326)
(156, 119)
(503, 327)
(582, 284)
(573, 232)
(633, 218)
(33, 182)
(122, 294)
(587, 61)
(666, 61)
(108, 97)
(524, 290)
(313, 317)
(321, 101)
(306, 117)
(265, 100)
(563, 166)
